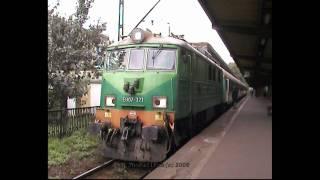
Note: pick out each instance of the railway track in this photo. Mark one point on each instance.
(103, 171)
(94, 170)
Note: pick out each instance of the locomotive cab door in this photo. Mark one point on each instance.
(185, 83)
(227, 91)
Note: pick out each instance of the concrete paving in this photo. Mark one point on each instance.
(237, 145)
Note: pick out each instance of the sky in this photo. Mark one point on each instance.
(183, 16)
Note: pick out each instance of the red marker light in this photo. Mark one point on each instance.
(157, 102)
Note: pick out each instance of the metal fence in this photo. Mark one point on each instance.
(63, 122)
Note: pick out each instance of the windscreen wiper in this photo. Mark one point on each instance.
(156, 54)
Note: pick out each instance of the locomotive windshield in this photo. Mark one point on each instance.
(133, 59)
(136, 59)
(161, 59)
(117, 59)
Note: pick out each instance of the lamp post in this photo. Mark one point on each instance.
(121, 15)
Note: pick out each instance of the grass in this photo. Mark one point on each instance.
(79, 145)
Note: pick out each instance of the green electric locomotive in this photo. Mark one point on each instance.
(156, 93)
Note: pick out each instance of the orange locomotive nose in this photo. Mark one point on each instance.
(147, 118)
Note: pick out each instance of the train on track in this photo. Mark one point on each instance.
(157, 92)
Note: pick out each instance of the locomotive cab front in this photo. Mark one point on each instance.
(137, 103)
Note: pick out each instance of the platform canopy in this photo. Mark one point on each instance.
(245, 27)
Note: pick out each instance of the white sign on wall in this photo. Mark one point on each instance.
(71, 103)
(95, 92)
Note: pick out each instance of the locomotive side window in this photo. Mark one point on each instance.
(117, 59)
(136, 59)
(161, 59)
(210, 72)
(219, 75)
(184, 69)
(214, 73)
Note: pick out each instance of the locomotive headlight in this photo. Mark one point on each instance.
(159, 102)
(107, 114)
(110, 101)
(137, 35)
(158, 116)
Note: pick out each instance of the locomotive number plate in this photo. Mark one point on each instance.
(132, 99)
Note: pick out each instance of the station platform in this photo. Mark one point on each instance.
(236, 145)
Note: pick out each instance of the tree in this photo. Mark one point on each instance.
(73, 54)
